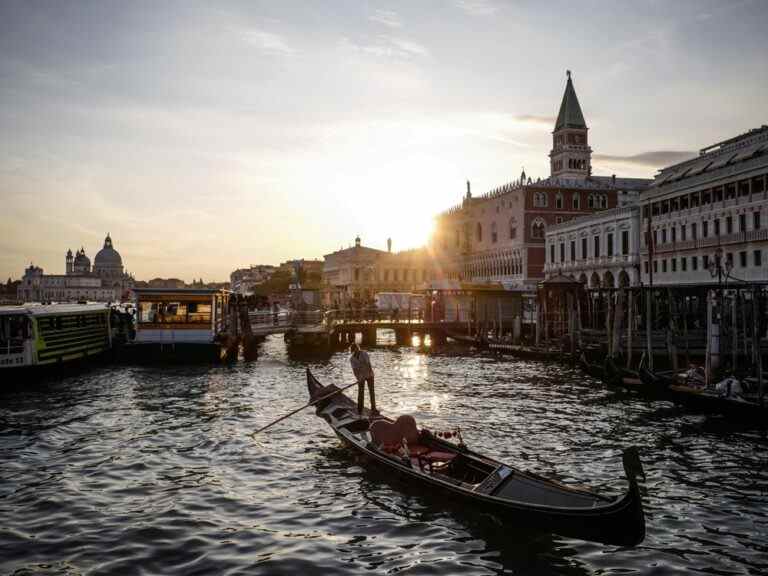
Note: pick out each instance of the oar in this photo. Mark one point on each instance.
(302, 408)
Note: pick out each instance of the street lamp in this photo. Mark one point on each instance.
(718, 268)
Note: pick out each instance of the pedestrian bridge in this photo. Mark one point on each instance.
(336, 322)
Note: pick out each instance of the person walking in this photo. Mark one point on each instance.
(361, 366)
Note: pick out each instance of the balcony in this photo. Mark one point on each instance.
(616, 261)
(711, 241)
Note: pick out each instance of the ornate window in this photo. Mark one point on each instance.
(603, 201)
(494, 235)
(576, 200)
(591, 201)
(540, 200)
(559, 200)
(538, 228)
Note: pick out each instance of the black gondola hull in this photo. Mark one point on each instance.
(618, 521)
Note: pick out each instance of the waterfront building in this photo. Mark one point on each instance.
(599, 250)
(708, 216)
(243, 280)
(353, 276)
(106, 281)
(501, 235)
(308, 267)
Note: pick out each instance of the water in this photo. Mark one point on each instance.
(138, 470)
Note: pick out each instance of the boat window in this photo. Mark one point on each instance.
(157, 312)
(13, 331)
(199, 312)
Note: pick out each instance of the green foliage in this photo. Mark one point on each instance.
(278, 283)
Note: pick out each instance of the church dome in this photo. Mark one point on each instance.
(108, 257)
(82, 262)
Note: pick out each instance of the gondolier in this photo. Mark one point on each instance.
(361, 366)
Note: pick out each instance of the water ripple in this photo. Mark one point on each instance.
(135, 470)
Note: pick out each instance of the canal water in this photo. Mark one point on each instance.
(151, 470)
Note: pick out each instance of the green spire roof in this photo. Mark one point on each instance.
(570, 115)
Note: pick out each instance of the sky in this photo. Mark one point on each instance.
(207, 136)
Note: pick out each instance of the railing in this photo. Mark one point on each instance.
(711, 241)
(373, 316)
(588, 263)
(286, 318)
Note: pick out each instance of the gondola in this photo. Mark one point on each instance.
(531, 501)
(696, 397)
(526, 352)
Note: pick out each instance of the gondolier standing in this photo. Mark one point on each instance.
(361, 366)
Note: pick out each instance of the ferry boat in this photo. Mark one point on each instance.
(38, 335)
(178, 323)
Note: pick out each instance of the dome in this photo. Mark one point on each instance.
(108, 257)
(81, 260)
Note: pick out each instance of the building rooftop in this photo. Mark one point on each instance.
(180, 291)
(51, 309)
(726, 153)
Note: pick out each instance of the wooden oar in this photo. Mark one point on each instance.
(302, 408)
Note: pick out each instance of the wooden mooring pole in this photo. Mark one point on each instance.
(756, 345)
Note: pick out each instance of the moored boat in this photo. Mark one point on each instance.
(33, 336)
(693, 394)
(478, 481)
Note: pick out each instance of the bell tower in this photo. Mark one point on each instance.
(571, 156)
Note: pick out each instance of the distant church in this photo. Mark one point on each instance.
(105, 282)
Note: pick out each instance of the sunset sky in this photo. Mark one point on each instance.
(205, 136)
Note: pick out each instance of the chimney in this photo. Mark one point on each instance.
(469, 192)
(389, 244)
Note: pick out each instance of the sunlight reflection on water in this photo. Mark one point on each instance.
(128, 468)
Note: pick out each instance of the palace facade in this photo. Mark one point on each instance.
(708, 217)
(353, 276)
(500, 236)
(601, 249)
(104, 282)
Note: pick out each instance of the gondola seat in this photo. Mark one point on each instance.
(390, 435)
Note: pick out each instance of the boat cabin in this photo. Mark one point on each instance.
(179, 315)
(40, 334)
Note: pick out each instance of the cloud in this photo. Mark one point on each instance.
(388, 18)
(269, 42)
(387, 46)
(653, 158)
(478, 7)
(533, 119)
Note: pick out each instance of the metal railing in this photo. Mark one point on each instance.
(373, 316)
(286, 318)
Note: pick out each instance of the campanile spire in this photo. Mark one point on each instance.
(571, 155)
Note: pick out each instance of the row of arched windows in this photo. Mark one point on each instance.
(594, 200)
(494, 233)
(491, 266)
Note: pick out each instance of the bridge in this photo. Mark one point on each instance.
(339, 327)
